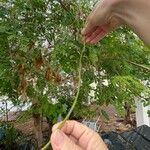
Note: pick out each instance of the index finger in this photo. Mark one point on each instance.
(84, 136)
(72, 128)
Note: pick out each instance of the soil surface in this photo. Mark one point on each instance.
(115, 123)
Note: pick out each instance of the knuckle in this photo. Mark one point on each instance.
(90, 20)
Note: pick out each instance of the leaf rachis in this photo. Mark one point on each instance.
(75, 100)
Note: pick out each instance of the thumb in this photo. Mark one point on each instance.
(62, 142)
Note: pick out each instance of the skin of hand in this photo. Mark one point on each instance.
(111, 14)
(76, 136)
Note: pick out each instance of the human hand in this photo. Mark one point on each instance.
(111, 14)
(100, 22)
(76, 136)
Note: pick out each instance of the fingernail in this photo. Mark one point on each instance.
(58, 139)
(88, 40)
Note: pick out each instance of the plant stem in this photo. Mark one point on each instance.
(76, 98)
(139, 65)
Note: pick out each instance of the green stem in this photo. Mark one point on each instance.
(76, 98)
(139, 65)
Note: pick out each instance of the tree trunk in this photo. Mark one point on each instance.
(50, 125)
(7, 119)
(38, 129)
(128, 112)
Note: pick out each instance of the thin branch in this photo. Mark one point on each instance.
(63, 5)
(131, 62)
(138, 65)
